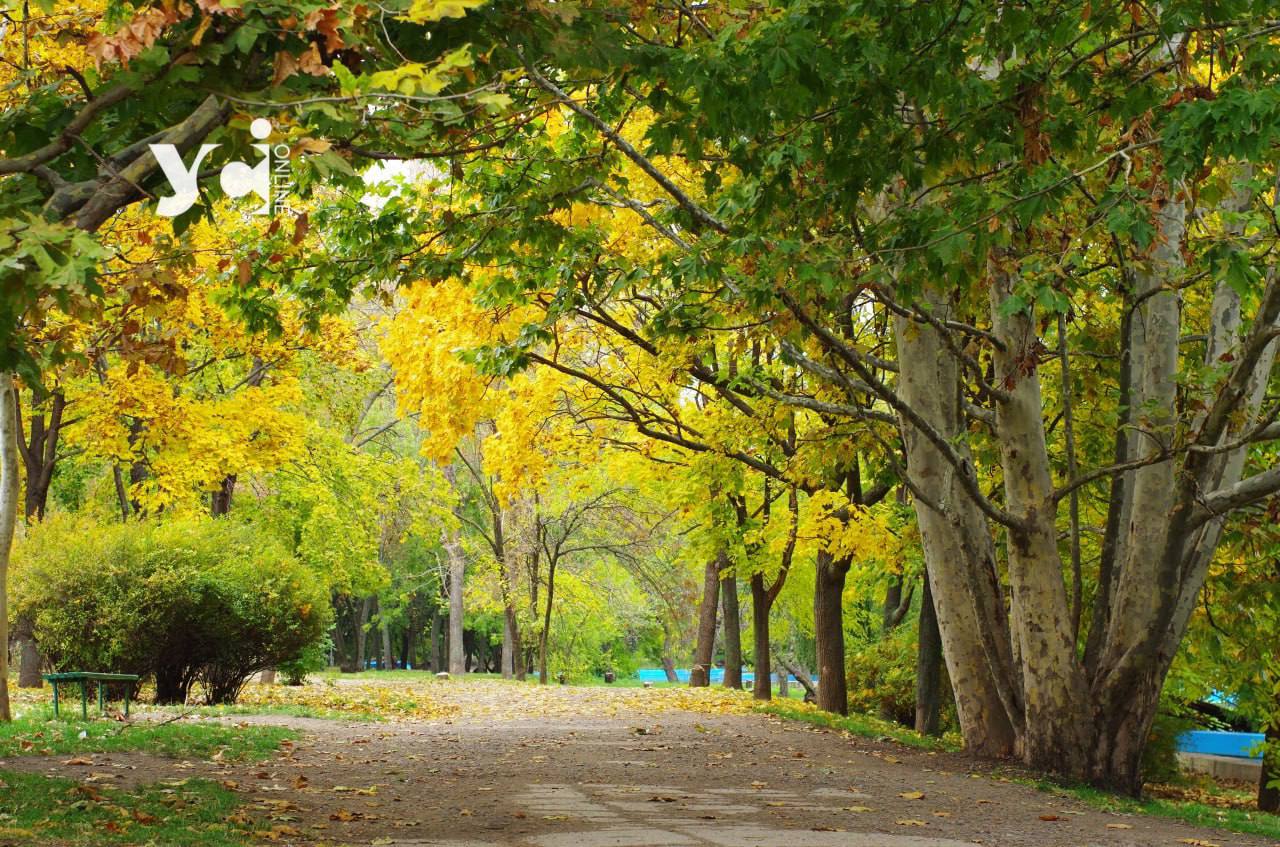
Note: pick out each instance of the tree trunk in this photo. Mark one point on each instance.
(959, 554)
(138, 472)
(762, 686)
(704, 651)
(732, 632)
(510, 644)
(220, 500)
(893, 610)
(801, 675)
(339, 635)
(668, 661)
(122, 492)
(546, 624)
(784, 684)
(8, 521)
(268, 677)
(362, 634)
(438, 651)
(1055, 703)
(30, 665)
(828, 628)
(457, 571)
(29, 654)
(38, 448)
(1269, 781)
(388, 661)
(928, 669)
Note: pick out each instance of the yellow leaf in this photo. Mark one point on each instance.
(426, 11)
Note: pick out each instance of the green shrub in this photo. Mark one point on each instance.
(1160, 756)
(882, 679)
(182, 601)
(313, 659)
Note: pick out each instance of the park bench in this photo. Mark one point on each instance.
(84, 678)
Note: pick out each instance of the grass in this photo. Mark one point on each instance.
(865, 726)
(37, 732)
(1200, 814)
(39, 809)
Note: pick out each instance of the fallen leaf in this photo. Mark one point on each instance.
(346, 815)
(912, 795)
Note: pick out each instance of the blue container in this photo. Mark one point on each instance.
(1237, 745)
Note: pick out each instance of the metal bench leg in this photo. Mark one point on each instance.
(84, 700)
(55, 699)
(101, 707)
(128, 689)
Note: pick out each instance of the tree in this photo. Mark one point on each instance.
(951, 211)
(8, 519)
(1019, 678)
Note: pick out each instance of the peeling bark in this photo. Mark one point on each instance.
(959, 553)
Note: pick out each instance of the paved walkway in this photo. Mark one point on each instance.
(520, 766)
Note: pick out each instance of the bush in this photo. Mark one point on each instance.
(180, 601)
(1160, 756)
(313, 659)
(882, 679)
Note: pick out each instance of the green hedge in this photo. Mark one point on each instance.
(182, 601)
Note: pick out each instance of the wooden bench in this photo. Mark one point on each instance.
(84, 678)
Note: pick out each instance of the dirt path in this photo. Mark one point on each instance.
(600, 768)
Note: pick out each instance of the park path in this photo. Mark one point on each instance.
(592, 767)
